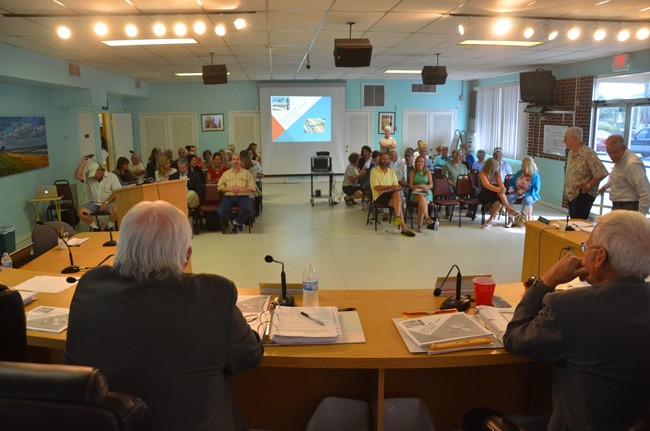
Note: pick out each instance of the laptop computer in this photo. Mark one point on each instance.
(466, 284)
(46, 191)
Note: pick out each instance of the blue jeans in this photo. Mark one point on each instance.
(244, 203)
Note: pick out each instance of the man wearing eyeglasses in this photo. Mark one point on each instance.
(596, 337)
(630, 188)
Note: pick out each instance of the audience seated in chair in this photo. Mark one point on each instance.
(493, 191)
(123, 172)
(194, 187)
(524, 187)
(236, 184)
(420, 184)
(595, 337)
(100, 189)
(217, 169)
(170, 338)
(387, 192)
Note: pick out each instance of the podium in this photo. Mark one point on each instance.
(173, 192)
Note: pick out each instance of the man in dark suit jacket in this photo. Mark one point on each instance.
(596, 337)
(171, 338)
(195, 186)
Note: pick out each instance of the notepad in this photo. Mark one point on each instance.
(47, 319)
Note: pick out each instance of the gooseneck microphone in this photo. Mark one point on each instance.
(72, 268)
(285, 300)
(457, 302)
(111, 242)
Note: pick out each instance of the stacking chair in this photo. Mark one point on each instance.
(250, 219)
(22, 256)
(466, 196)
(65, 397)
(411, 209)
(443, 197)
(68, 210)
(374, 209)
(210, 205)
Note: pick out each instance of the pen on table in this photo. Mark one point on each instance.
(313, 319)
(348, 309)
(411, 314)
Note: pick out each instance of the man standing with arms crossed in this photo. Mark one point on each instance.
(583, 172)
(630, 188)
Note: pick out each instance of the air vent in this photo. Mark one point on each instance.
(424, 88)
(373, 95)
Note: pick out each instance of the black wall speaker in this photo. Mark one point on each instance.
(352, 52)
(215, 74)
(434, 75)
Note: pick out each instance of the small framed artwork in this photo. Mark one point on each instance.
(212, 122)
(386, 119)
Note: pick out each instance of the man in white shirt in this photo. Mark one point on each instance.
(100, 189)
(504, 167)
(630, 188)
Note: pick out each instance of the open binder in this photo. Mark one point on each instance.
(444, 333)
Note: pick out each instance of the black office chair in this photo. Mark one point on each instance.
(65, 397)
(46, 236)
(13, 337)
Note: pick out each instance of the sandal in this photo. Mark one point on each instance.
(509, 222)
(486, 226)
(419, 229)
(427, 220)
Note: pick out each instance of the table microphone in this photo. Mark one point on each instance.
(72, 268)
(457, 302)
(111, 242)
(285, 300)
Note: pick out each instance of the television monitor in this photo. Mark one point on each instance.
(537, 87)
(321, 164)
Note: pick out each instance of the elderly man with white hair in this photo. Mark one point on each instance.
(100, 189)
(596, 337)
(169, 337)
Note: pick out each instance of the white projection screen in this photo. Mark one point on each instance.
(299, 119)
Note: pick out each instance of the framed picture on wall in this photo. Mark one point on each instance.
(212, 122)
(386, 119)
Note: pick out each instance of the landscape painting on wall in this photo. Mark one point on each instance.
(23, 144)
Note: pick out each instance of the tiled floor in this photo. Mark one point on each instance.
(348, 253)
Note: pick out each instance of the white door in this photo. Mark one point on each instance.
(86, 132)
(435, 127)
(243, 129)
(358, 125)
(167, 131)
(122, 136)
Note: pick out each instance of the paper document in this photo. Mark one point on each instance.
(72, 242)
(254, 308)
(48, 319)
(27, 296)
(440, 328)
(290, 326)
(45, 284)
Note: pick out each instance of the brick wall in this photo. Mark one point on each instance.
(565, 93)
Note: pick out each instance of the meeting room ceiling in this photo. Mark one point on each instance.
(281, 36)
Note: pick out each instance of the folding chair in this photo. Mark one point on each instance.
(442, 196)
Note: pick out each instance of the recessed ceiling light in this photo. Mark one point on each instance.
(529, 31)
(101, 29)
(517, 43)
(135, 42)
(642, 33)
(573, 33)
(220, 29)
(600, 34)
(63, 32)
(240, 23)
(159, 29)
(180, 29)
(131, 30)
(199, 27)
(502, 26)
(623, 35)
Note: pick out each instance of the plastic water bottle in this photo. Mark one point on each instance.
(63, 241)
(310, 286)
(7, 263)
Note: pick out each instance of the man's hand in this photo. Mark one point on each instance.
(102, 207)
(585, 187)
(565, 270)
(601, 190)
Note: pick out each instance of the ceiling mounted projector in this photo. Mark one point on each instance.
(352, 52)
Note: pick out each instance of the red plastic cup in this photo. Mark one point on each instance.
(484, 290)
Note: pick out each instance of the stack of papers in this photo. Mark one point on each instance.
(291, 326)
(494, 319)
(27, 296)
(48, 319)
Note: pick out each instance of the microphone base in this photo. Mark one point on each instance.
(287, 301)
(451, 303)
(110, 243)
(70, 269)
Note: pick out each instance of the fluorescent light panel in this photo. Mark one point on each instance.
(519, 43)
(402, 71)
(136, 42)
(192, 73)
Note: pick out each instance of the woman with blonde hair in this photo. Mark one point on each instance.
(493, 191)
(387, 143)
(164, 169)
(524, 185)
(420, 184)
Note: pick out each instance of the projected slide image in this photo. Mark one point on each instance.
(301, 118)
